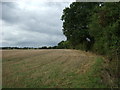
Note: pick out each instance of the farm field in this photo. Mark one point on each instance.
(53, 68)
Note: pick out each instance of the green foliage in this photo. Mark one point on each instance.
(98, 23)
(64, 45)
(104, 27)
(89, 20)
(75, 22)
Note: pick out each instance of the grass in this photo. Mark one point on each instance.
(51, 69)
(92, 77)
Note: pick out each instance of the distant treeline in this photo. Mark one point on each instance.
(44, 47)
(18, 48)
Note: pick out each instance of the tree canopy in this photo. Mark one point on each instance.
(98, 22)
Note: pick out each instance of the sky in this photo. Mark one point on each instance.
(32, 23)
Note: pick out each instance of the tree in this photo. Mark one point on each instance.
(75, 22)
(64, 45)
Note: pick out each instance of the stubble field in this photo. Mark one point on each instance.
(47, 68)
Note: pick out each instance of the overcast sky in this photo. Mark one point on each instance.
(31, 23)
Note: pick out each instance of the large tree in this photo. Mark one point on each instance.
(75, 22)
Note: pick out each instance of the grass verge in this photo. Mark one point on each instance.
(92, 78)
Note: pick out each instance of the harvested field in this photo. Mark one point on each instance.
(45, 68)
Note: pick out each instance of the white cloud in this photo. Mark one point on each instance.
(34, 24)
